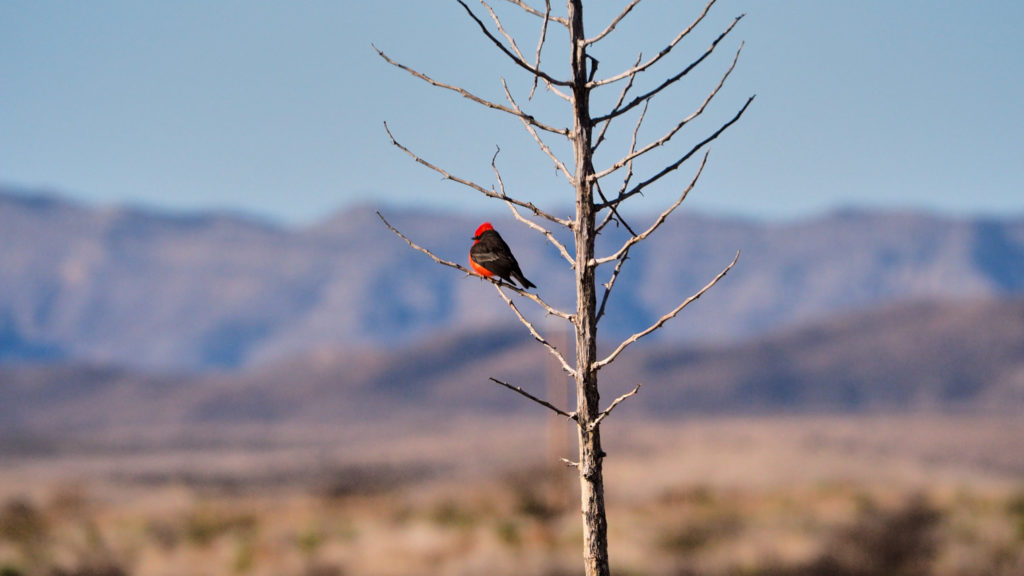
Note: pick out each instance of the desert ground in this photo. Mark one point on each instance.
(752, 495)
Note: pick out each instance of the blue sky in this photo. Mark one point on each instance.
(277, 108)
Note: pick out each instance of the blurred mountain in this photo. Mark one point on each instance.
(184, 292)
(929, 357)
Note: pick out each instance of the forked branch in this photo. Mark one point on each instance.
(657, 221)
(540, 45)
(673, 166)
(661, 54)
(634, 153)
(661, 321)
(516, 59)
(619, 111)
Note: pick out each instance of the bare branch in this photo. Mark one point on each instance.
(529, 223)
(668, 136)
(544, 147)
(608, 410)
(469, 183)
(658, 221)
(639, 187)
(517, 60)
(570, 463)
(613, 24)
(512, 42)
(536, 335)
(470, 96)
(550, 310)
(629, 172)
(622, 96)
(657, 56)
(540, 47)
(611, 282)
(531, 10)
(661, 321)
(671, 80)
(555, 409)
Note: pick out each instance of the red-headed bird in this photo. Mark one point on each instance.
(490, 256)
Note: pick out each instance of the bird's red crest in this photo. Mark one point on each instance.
(483, 228)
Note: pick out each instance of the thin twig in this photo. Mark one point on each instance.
(540, 47)
(556, 409)
(613, 24)
(570, 463)
(550, 310)
(559, 165)
(611, 282)
(661, 321)
(608, 410)
(529, 223)
(629, 171)
(469, 183)
(640, 187)
(658, 221)
(622, 96)
(531, 10)
(515, 47)
(668, 135)
(657, 56)
(469, 95)
(670, 80)
(517, 60)
(536, 335)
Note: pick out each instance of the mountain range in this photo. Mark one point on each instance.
(910, 357)
(160, 293)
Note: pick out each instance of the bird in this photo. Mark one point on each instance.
(490, 256)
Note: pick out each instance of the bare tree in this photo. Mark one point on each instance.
(594, 209)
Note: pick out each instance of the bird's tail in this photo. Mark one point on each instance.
(522, 280)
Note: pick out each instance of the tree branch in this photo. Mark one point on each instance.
(550, 310)
(611, 282)
(604, 414)
(548, 405)
(512, 42)
(629, 174)
(470, 184)
(529, 223)
(613, 24)
(559, 165)
(540, 46)
(658, 221)
(622, 96)
(531, 10)
(671, 80)
(518, 61)
(536, 335)
(668, 136)
(661, 321)
(470, 96)
(657, 56)
(639, 187)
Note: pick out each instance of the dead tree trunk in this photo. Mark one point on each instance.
(595, 523)
(585, 181)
